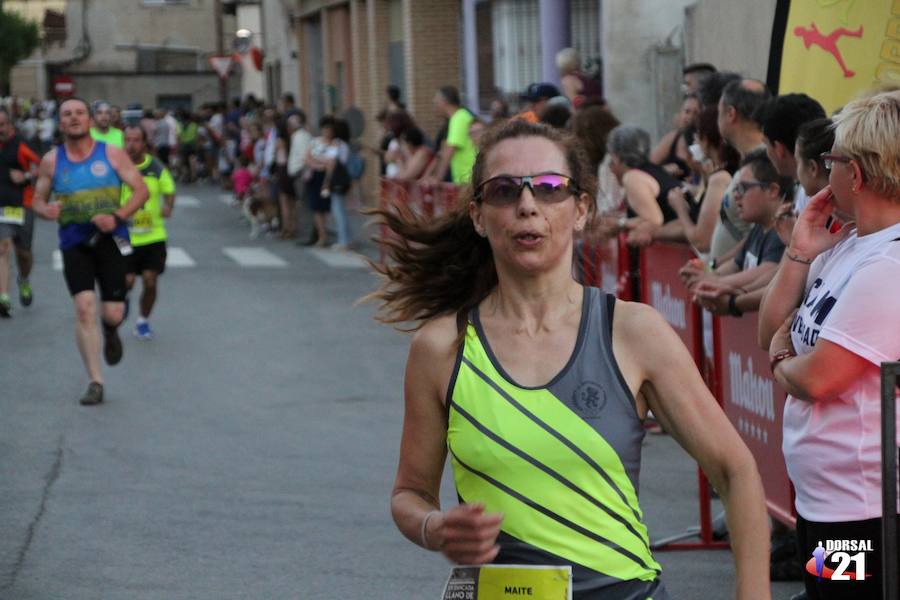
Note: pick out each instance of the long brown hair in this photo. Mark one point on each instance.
(442, 266)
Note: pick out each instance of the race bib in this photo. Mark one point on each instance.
(142, 223)
(508, 582)
(13, 215)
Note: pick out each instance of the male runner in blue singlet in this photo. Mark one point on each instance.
(85, 176)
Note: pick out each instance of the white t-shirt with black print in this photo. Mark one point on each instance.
(833, 448)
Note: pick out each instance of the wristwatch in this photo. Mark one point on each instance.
(780, 356)
(733, 310)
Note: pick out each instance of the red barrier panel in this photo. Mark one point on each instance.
(662, 289)
(754, 404)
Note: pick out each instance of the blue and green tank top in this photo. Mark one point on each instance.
(560, 461)
(84, 189)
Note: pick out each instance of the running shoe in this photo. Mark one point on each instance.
(5, 307)
(93, 395)
(142, 331)
(112, 345)
(26, 295)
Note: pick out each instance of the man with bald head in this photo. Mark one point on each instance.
(104, 129)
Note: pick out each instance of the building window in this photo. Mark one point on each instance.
(396, 47)
(153, 60)
(174, 102)
(517, 44)
(586, 34)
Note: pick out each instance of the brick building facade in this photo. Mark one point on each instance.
(351, 50)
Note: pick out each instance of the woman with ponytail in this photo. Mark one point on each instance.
(537, 387)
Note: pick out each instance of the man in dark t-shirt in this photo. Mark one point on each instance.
(761, 246)
(18, 166)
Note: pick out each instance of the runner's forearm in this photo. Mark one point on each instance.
(742, 493)
(409, 508)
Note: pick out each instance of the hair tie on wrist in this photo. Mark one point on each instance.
(425, 527)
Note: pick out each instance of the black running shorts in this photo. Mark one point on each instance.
(102, 263)
(150, 257)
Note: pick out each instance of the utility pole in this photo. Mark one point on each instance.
(220, 51)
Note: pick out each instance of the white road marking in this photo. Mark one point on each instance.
(186, 201)
(226, 198)
(177, 257)
(340, 260)
(250, 256)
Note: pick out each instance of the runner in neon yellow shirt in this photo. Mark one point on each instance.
(102, 130)
(147, 229)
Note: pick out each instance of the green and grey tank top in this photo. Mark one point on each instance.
(560, 461)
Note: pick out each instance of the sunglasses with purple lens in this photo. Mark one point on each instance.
(504, 190)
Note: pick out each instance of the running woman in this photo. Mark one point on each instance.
(18, 166)
(86, 177)
(537, 387)
(148, 227)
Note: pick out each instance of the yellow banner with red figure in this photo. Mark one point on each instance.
(833, 50)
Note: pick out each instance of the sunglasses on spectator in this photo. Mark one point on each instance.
(742, 187)
(504, 190)
(828, 159)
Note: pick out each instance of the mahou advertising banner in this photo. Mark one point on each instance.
(833, 50)
(755, 406)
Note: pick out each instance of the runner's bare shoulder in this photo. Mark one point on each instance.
(434, 349)
(634, 323)
(48, 163)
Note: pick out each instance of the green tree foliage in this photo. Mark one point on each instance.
(19, 39)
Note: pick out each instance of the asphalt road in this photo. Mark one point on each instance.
(246, 452)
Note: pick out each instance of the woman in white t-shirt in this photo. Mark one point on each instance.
(835, 297)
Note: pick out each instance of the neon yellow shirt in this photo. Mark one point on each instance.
(113, 136)
(464, 154)
(148, 225)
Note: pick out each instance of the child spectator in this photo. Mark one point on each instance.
(242, 184)
(737, 286)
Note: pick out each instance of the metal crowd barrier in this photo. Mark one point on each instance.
(890, 381)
